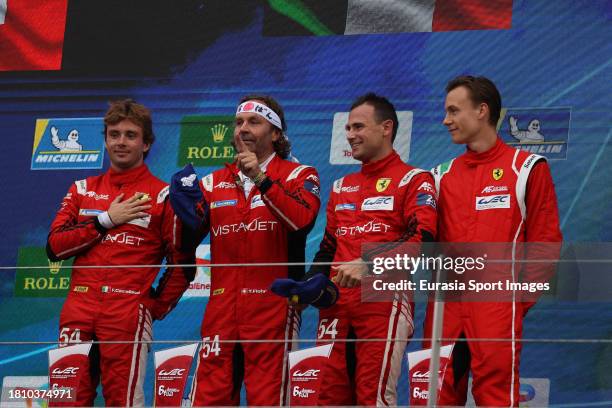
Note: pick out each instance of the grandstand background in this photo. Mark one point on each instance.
(61, 61)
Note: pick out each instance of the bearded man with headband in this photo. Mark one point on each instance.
(258, 210)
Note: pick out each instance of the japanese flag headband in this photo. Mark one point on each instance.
(261, 110)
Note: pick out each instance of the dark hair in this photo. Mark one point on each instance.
(128, 109)
(383, 109)
(481, 90)
(282, 146)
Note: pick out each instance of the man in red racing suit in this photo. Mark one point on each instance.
(122, 217)
(492, 193)
(257, 210)
(386, 201)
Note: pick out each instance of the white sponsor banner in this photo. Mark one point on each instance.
(56, 354)
(307, 372)
(67, 366)
(171, 370)
(418, 373)
(200, 286)
(340, 150)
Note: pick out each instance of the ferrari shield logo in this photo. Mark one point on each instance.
(498, 173)
(382, 184)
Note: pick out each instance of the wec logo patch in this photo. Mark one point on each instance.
(256, 201)
(384, 203)
(493, 201)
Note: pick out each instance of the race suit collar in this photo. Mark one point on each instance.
(128, 176)
(379, 165)
(473, 159)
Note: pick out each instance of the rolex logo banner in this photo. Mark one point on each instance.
(37, 276)
(206, 140)
(171, 371)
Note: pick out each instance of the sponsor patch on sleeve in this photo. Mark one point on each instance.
(207, 183)
(311, 187)
(337, 185)
(163, 194)
(90, 212)
(426, 199)
(426, 187)
(314, 178)
(296, 172)
(81, 186)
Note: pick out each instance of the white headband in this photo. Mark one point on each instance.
(261, 110)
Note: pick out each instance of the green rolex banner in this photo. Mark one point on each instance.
(51, 281)
(206, 140)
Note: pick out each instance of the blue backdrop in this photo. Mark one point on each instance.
(553, 64)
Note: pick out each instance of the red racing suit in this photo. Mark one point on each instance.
(501, 195)
(269, 226)
(387, 201)
(113, 303)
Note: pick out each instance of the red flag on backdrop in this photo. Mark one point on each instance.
(451, 15)
(32, 34)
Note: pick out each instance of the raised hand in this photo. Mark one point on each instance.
(246, 160)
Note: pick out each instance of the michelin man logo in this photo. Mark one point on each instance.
(68, 145)
(532, 134)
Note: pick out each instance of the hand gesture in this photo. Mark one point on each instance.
(349, 274)
(121, 212)
(246, 160)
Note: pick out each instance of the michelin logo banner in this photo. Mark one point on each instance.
(544, 131)
(200, 286)
(65, 144)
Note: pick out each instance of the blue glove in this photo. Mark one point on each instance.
(318, 291)
(187, 199)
